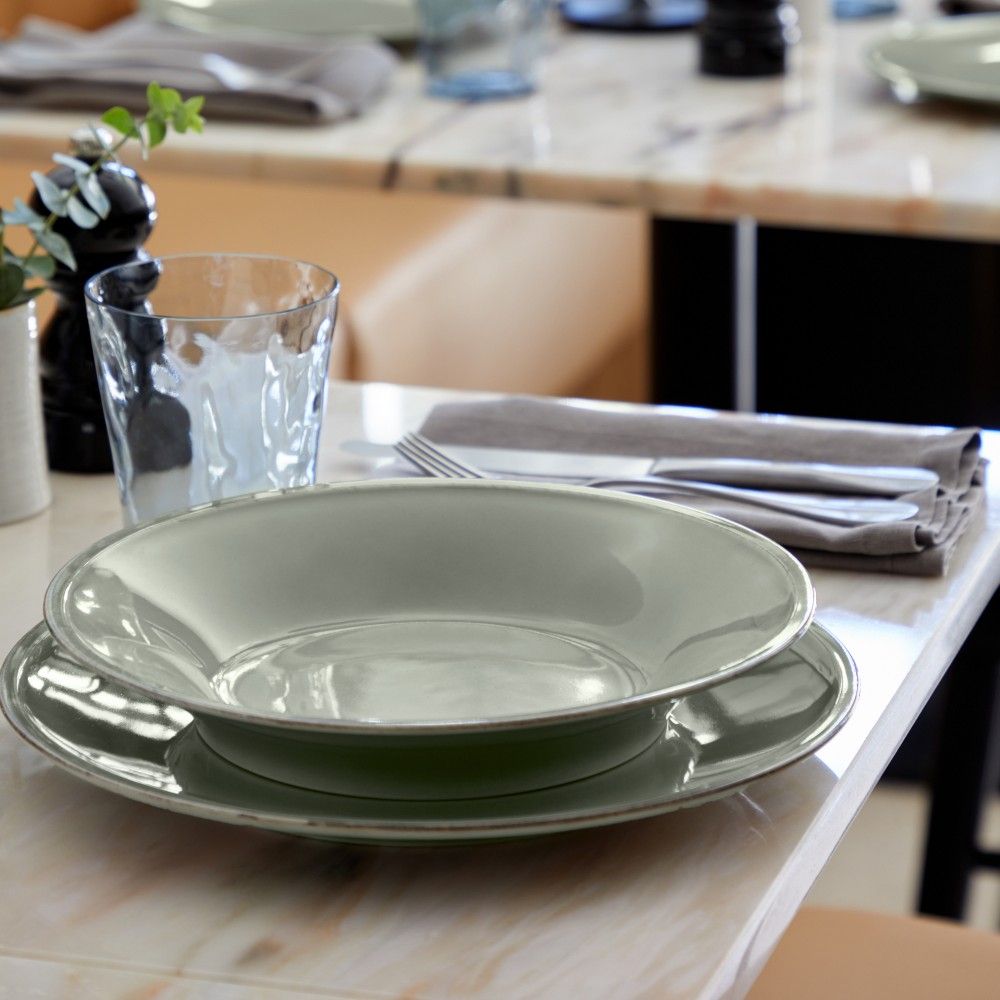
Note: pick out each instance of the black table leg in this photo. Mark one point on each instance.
(693, 313)
(837, 339)
(966, 770)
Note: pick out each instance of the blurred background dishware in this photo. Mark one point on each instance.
(848, 10)
(394, 20)
(212, 371)
(481, 49)
(633, 15)
(944, 57)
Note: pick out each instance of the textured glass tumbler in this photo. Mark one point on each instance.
(212, 371)
(481, 49)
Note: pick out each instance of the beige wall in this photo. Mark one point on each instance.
(437, 289)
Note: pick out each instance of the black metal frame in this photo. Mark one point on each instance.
(967, 766)
(693, 317)
(835, 278)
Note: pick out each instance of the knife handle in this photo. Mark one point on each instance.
(809, 476)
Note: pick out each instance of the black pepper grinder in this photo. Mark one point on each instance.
(747, 37)
(75, 431)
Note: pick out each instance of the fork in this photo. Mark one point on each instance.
(434, 461)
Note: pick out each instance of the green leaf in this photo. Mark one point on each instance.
(154, 97)
(190, 111)
(76, 165)
(58, 247)
(11, 283)
(93, 194)
(156, 131)
(53, 197)
(39, 266)
(171, 99)
(26, 295)
(184, 119)
(81, 215)
(121, 120)
(22, 215)
(162, 100)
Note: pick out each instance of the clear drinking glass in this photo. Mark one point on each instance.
(478, 49)
(212, 371)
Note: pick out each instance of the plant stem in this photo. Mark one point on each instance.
(106, 156)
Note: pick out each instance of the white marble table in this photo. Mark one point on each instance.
(627, 120)
(106, 898)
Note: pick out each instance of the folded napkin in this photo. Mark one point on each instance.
(50, 65)
(920, 546)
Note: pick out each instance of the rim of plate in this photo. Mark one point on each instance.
(800, 589)
(895, 72)
(471, 829)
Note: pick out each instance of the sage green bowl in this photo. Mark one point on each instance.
(496, 636)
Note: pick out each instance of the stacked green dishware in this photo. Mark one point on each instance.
(429, 661)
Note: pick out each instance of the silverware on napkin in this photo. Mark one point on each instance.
(819, 477)
(432, 460)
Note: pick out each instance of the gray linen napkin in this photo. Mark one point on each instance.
(921, 546)
(50, 65)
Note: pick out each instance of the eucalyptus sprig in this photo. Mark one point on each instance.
(84, 203)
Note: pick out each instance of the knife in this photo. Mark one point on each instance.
(822, 477)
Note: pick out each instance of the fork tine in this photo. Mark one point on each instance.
(432, 452)
(425, 464)
(466, 467)
(427, 459)
(430, 462)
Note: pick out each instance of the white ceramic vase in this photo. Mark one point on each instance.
(24, 477)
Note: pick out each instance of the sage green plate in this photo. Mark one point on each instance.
(714, 743)
(428, 608)
(393, 20)
(948, 57)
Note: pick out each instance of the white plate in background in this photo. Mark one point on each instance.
(956, 57)
(393, 20)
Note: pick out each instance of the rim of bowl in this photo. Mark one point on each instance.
(332, 292)
(801, 589)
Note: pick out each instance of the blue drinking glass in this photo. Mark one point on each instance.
(849, 10)
(481, 49)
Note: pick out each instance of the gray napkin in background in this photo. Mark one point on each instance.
(921, 546)
(247, 76)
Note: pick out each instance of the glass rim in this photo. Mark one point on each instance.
(91, 284)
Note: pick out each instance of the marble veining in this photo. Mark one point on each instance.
(627, 120)
(118, 898)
